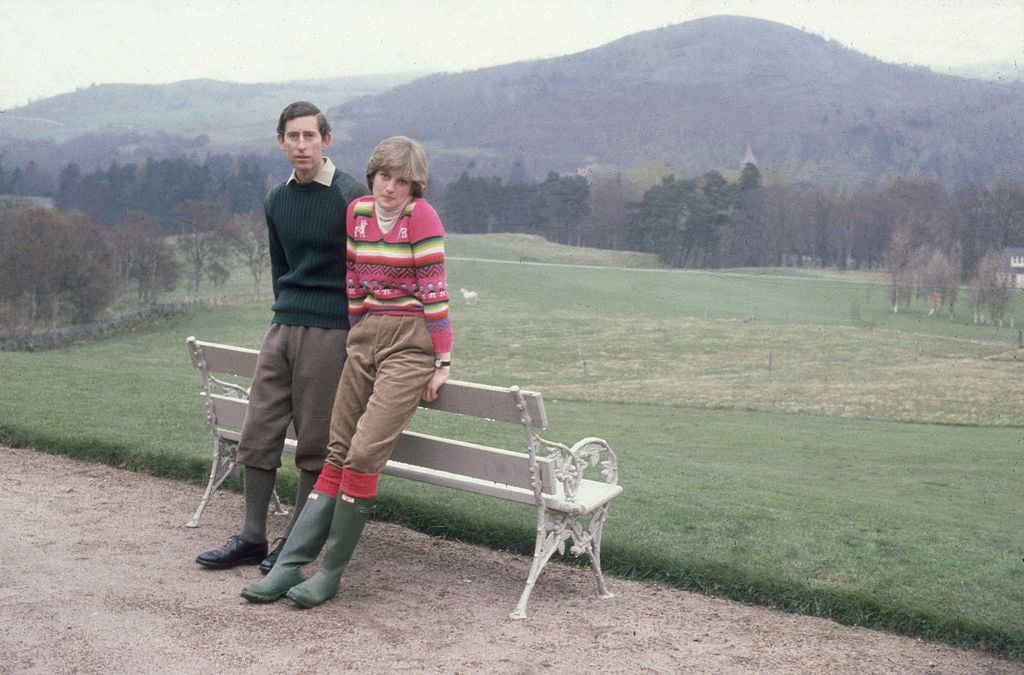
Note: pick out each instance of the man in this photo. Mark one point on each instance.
(303, 352)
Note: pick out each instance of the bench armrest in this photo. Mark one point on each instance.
(571, 464)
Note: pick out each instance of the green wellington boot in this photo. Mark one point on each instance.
(302, 547)
(346, 528)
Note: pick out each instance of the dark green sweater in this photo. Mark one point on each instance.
(306, 223)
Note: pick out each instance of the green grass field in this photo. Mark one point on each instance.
(783, 439)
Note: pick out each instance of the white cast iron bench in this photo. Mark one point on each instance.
(549, 476)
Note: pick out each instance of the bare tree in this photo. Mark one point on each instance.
(203, 241)
(956, 268)
(838, 233)
(990, 288)
(938, 279)
(54, 267)
(897, 258)
(143, 257)
(609, 216)
(248, 232)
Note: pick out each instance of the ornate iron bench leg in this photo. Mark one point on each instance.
(551, 537)
(279, 509)
(223, 465)
(593, 550)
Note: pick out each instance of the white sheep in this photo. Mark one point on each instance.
(469, 296)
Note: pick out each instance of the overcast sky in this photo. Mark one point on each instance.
(49, 47)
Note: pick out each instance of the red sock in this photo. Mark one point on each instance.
(359, 485)
(329, 481)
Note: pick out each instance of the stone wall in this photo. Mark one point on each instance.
(91, 331)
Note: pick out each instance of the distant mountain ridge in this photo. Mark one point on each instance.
(225, 111)
(691, 96)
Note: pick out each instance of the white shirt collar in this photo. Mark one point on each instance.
(324, 177)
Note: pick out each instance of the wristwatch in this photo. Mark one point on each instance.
(438, 363)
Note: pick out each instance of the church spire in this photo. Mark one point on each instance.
(749, 157)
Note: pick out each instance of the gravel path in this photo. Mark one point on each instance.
(97, 575)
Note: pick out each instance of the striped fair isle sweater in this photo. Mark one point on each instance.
(401, 272)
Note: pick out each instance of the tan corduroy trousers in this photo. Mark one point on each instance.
(390, 360)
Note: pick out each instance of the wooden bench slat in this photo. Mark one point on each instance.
(493, 403)
(230, 413)
(465, 483)
(227, 359)
(471, 460)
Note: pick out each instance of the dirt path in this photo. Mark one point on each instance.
(97, 575)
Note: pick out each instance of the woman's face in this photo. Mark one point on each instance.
(390, 190)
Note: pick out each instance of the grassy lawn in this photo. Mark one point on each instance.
(783, 439)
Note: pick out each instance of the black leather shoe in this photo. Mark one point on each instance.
(237, 551)
(268, 562)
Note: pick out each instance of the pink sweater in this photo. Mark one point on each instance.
(401, 272)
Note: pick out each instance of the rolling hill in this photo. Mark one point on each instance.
(225, 112)
(693, 95)
(690, 96)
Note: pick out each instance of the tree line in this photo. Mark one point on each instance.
(61, 267)
(747, 220)
(930, 238)
(707, 221)
(140, 230)
(159, 186)
(127, 234)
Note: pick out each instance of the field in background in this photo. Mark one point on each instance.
(730, 340)
(783, 440)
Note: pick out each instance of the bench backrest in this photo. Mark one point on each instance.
(224, 400)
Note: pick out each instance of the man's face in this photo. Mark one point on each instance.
(304, 146)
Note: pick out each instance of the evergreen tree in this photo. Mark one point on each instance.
(465, 206)
(750, 177)
(565, 206)
(662, 221)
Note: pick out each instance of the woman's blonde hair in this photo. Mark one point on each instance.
(402, 156)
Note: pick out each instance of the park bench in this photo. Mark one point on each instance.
(552, 477)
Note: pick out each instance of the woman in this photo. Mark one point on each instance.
(399, 351)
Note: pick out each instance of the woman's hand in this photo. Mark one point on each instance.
(433, 387)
